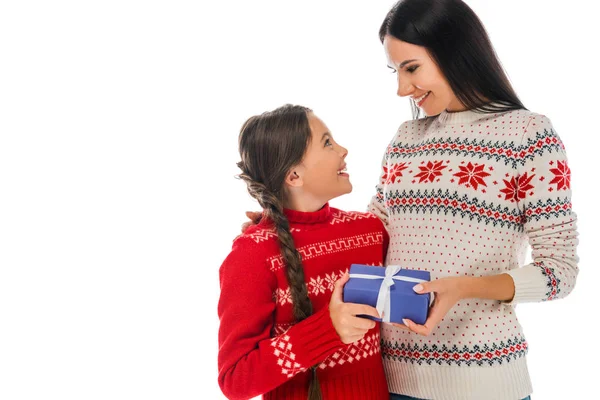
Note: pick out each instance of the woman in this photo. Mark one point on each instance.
(462, 191)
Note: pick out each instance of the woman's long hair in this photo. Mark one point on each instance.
(459, 44)
(270, 145)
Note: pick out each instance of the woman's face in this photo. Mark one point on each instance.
(419, 77)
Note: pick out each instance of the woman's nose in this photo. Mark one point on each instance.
(404, 88)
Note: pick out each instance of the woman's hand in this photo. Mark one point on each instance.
(254, 217)
(448, 291)
(348, 326)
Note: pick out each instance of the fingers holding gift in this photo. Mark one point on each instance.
(416, 328)
(346, 323)
(352, 329)
(344, 317)
(337, 295)
(438, 311)
(362, 309)
(400, 326)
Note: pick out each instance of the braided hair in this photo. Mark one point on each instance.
(270, 145)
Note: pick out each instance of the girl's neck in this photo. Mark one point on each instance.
(303, 204)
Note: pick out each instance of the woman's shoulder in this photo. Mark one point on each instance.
(525, 117)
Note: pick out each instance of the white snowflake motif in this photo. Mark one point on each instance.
(330, 280)
(317, 285)
(284, 296)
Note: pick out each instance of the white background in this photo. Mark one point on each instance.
(118, 130)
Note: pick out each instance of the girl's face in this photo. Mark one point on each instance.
(321, 175)
(419, 77)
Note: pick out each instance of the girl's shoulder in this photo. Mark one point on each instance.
(258, 240)
(250, 251)
(368, 219)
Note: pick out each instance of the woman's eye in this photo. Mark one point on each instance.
(412, 69)
(327, 142)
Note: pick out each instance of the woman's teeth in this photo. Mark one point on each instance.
(420, 99)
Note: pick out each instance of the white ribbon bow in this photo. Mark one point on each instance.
(383, 298)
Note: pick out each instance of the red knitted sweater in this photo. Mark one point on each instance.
(261, 348)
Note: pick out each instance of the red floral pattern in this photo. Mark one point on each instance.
(562, 175)
(516, 189)
(430, 171)
(472, 175)
(393, 174)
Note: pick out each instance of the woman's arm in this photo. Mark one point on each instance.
(545, 203)
(549, 221)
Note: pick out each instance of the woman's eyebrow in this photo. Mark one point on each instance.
(403, 63)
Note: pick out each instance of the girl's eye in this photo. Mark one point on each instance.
(328, 143)
(412, 69)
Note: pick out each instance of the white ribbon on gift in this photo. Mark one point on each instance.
(383, 298)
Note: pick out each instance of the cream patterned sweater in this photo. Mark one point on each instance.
(463, 194)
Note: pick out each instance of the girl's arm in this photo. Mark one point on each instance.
(251, 361)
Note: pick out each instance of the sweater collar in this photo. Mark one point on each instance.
(315, 217)
(460, 117)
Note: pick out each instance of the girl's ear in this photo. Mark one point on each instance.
(294, 178)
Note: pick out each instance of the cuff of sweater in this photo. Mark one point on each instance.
(530, 285)
(317, 338)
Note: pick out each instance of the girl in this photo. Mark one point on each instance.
(462, 192)
(284, 329)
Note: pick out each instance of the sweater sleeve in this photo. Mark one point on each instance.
(251, 362)
(377, 204)
(544, 199)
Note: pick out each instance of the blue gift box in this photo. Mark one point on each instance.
(403, 301)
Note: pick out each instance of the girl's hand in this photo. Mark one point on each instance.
(254, 217)
(448, 291)
(348, 326)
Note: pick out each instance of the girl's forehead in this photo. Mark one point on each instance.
(317, 126)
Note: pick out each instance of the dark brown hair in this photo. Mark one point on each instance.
(459, 44)
(270, 145)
